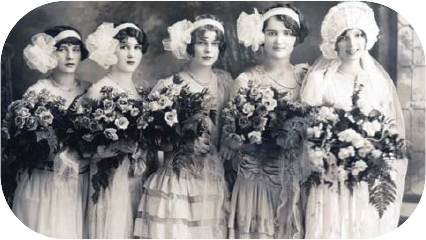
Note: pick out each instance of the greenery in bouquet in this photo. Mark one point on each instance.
(260, 115)
(175, 118)
(101, 124)
(33, 129)
(353, 145)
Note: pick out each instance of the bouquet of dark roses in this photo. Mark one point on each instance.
(175, 118)
(103, 125)
(353, 145)
(257, 118)
(33, 129)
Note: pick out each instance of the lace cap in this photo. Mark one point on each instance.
(344, 16)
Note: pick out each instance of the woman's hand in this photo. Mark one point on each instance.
(103, 151)
(227, 153)
(126, 146)
(202, 145)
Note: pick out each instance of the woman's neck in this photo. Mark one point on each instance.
(350, 67)
(63, 79)
(121, 78)
(277, 65)
(200, 73)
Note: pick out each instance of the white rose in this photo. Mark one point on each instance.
(358, 167)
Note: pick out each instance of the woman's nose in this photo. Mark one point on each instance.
(280, 38)
(208, 48)
(131, 53)
(70, 54)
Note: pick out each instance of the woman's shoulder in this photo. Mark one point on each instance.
(84, 84)
(40, 85)
(223, 77)
(300, 70)
(94, 90)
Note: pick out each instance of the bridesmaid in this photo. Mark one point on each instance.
(266, 196)
(120, 48)
(49, 202)
(348, 31)
(184, 205)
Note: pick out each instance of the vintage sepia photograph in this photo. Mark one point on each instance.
(212, 120)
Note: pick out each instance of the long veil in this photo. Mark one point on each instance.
(380, 91)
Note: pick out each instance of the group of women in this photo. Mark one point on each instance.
(262, 195)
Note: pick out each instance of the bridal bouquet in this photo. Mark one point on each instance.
(258, 115)
(100, 125)
(176, 117)
(355, 145)
(33, 129)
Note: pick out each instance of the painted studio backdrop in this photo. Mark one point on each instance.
(398, 50)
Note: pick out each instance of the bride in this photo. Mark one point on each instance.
(349, 30)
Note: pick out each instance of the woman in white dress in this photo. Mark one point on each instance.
(266, 195)
(349, 30)
(184, 204)
(52, 201)
(120, 48)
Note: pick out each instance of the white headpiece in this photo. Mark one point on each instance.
(39, 54)
(180, 35)
(249, 26)
(344, 16)
(102, 45)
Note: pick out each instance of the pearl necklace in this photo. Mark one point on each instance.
(71, 89)
(207, 84)
(128, 91)
(278, 81)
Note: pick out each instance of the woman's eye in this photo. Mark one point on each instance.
(138, 47)
(76, 49)
(287, 33)
(60, 50)
(271, 33)
(124, 47)
(215, 43)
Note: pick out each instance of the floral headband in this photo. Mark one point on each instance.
(180, 35)
(102, 45)
(344, 16)
(39, 54)
(249, 26)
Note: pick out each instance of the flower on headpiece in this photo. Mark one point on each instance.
(39, 54)
(249, 30)
(102, 45)
(180, 36)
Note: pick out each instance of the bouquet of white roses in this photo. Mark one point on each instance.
(33, 128)
(355, 145)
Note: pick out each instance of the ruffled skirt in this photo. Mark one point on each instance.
(184, 206)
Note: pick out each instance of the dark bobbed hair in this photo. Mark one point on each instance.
(54, 31)
(299, 32)
(341, 36)
(199, 33)
(140, 36)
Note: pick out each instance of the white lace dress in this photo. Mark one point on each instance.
(344, 215)
(50, 203)
(266, 196)
(113, 214)
(187, 205)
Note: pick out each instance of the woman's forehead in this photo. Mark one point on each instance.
(273, 23)
(207, 35)
(129, 40)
